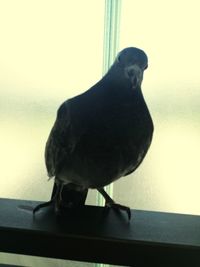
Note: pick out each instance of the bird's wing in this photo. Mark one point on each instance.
(141, 155)
(60, 142)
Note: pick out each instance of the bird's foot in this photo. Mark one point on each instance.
(110, 203)
(117, 206)
(42, 205)
(56, 200)
(56, 205)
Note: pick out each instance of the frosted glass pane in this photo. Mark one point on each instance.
(169, 177)
(49, 51)
(31, 261)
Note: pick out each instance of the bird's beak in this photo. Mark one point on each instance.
(135, 74)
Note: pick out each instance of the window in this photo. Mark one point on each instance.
(53, 50)
(50, 51)
(168, 179)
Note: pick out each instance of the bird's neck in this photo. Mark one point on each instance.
(116, 76)
(115, 85)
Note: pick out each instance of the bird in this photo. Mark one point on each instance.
(100, 135)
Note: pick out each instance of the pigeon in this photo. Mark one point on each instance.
(100, 135)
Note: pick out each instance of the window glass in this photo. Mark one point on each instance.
(49, 51)
(32, 261)
(52, 50)
(169, 177)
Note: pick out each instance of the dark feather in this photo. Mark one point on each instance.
(104, 133)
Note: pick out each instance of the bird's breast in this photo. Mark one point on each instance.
(114, 144)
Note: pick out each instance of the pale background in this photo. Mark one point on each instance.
(52, 50)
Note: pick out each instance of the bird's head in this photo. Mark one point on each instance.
(133, 61)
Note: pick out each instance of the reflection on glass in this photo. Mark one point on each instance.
(169, 177)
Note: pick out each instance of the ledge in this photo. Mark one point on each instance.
(90, 234)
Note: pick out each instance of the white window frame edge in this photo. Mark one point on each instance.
(112, 15)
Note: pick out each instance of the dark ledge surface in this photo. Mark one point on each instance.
(93, 235)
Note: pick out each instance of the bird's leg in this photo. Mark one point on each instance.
(111, 203)
(56, 199)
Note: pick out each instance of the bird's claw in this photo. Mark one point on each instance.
(42, 205)
(117, 206)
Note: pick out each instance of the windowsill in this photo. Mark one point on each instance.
(149, 239)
